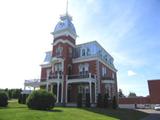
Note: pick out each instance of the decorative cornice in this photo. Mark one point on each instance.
(63, 41)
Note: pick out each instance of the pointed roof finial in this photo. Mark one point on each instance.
(67, 8)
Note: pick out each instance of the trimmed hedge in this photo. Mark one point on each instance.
(100, 100)
(22, 98)
(3, 99)
(41, 100)
(79, 100)
(106, 101)
(87, 104)
(114, 103)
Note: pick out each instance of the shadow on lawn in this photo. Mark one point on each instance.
(121, 114)
(54, 110)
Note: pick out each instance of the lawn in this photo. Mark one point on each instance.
(16, 111)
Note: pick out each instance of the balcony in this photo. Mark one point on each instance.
(55, 76)
(82, 76)
(106, 78)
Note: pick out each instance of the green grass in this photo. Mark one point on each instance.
(16, 111)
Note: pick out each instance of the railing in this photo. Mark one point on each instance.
(82, 76)
(107, 78)
(32, 81)
(53, 76)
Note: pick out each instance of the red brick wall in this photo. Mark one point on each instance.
(154, 90)
(44, 73)
(109, 75)
(138, 100)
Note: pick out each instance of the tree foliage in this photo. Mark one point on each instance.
(3, 99)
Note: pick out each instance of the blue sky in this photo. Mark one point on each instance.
(129, 30)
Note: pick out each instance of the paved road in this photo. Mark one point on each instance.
(154, 115)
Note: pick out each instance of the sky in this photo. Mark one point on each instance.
(128, 29)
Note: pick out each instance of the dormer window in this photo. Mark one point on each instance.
(83, 52)
(88, 52)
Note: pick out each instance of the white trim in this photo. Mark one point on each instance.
(91, 58)
(64, 32)
(86, 80)
(108, 81)
(46, 65)
(63, 41)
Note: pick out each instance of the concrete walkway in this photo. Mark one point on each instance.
(154, 115)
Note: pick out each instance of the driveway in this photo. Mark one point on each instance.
(154, 115)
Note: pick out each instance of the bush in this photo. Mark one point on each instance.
(105, 100)
(99, 100)
(87, 104)
(3, 99)
(41, 100)
(22, 98)
(79, 100)
(114, 103)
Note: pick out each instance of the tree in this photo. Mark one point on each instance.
(132, 95)
(3, 99)
(120, 94)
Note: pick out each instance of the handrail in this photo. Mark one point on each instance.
(78, 76)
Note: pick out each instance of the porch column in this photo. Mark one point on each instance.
(51, 88)
(62, 92)
(95, 93)
(47, 86)
(66, 92)
(57, 92)
(90, 89)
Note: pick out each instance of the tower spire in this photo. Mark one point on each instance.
(67, 8)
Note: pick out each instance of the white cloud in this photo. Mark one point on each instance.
(131, 73)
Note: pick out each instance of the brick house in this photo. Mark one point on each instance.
(70, 69)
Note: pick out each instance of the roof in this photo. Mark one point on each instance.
(65, 23)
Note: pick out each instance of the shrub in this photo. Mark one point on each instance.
(3, 99)
(99, 100)
(114, 103)
(79, 100)
(41, 100)
(105, 100)
(87, 104)
(22, 98)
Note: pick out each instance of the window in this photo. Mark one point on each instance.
(84, 69)
(58, 68)
(104, 71)
(108, 90)
(70, 52)
(83, 52)
(59, 51)
(113, 75)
